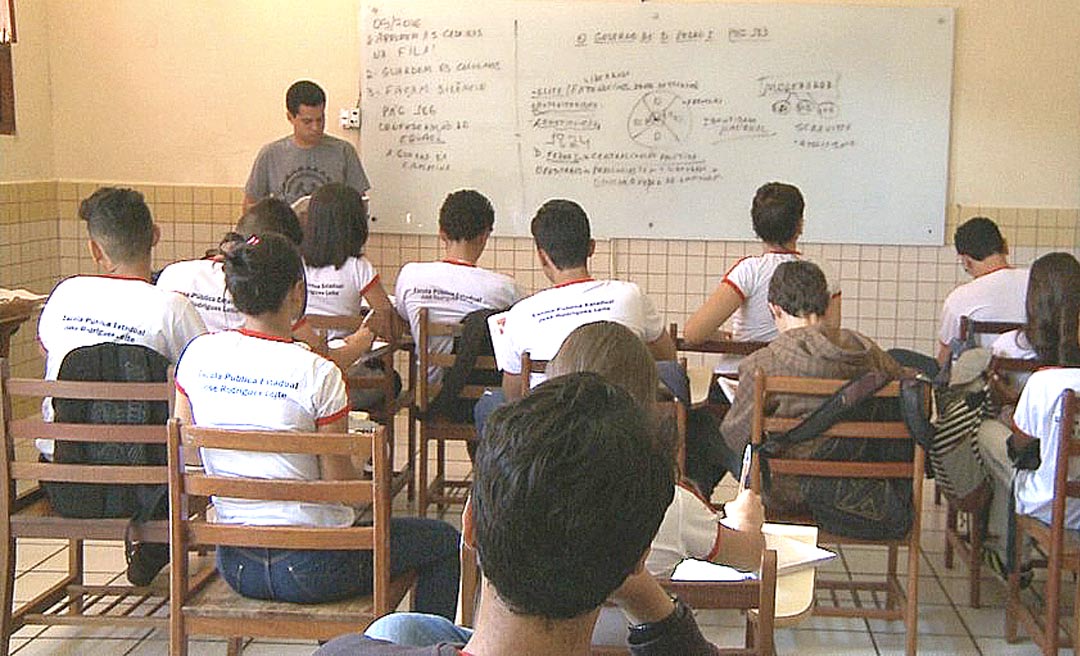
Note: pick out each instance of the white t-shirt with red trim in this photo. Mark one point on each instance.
(690, 529)
(1038, 413)
(203, 282)
(244, 380)
(449, 289)
(539, 323)
(88, 310)
(339, 292)
(998, 295)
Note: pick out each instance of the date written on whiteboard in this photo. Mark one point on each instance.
(739, 34)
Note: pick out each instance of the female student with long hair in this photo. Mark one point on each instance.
(286, 387)
(1053, 303)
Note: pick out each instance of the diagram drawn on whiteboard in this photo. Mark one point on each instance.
(659, 119)
(802, 94)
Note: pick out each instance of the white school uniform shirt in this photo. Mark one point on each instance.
(339, 292)
(245, 380)
(449, 289)
(88, 310)
(690, 529)
(1038, 413)
(749, 278)
(203, 283)
(1014, 344)
(539, 323)
(998, 295)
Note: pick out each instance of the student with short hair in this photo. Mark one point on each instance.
(570, 486)
(996, 292)
(286, 387)
(119, 304)
(295, 166)
(777, 215)
(539, 323)
(454, 286)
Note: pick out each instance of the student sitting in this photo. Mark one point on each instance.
(306, 392)
(807, 346)
(777, 215)
(118, 306)
(203, 281)
(454, 286)
(570, 486)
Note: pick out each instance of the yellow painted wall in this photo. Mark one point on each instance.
(186, 92)
(28, 155)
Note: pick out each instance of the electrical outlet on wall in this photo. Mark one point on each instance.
(349, 118)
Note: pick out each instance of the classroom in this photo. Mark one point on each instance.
(175, 99)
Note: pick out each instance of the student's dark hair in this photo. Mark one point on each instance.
(1053, 309)
(570, 487)
(799, 288)
(465, 215)
(260, 272)
(776, 212)
(561, 229)
(978, 238)
(120, 222)
(304, 92)
(337, 226)
(271, 215)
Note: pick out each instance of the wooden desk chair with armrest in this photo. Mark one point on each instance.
(442, 489)
(1060, 543)
(863, 593)
(392, 402)
(25, 510)
(210, 606)
(966, 539)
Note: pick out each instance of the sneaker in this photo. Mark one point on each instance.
(144, 561)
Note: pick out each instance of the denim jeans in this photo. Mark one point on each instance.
(417, 630)
(485, 405)
(428, 546)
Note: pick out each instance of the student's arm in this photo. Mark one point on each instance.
(741, 542)
(832, 312)
(512, 384)
(942, 354)
(356, 345)
(386, 322)
(717, 308)
(663, 347)
(182, 408)
(336, 468)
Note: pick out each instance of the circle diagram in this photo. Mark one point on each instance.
(659, 119)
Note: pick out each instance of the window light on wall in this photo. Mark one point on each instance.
(7, 21)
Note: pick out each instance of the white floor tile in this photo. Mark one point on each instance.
(928, 645)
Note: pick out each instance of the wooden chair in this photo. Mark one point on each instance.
(865, 594)
(210, 606)
(724, 346)
(26, 512)
(393, 402)
(441, 490)
(967, 542)
(1060, 544)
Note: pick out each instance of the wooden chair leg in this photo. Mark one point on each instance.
(1012, 603)
(1052, 621)
(891, 577)
(235, 646)
(75, 571)
(422, 477)
(937, 495)
(1076, 612)
(411, 460)
(440, 474)
(951, 517)
(911, 613)
(975, 544)
(7, 591)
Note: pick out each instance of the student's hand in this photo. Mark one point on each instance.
(360, 341)
(745, 512)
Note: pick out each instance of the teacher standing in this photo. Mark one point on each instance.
(295, 166)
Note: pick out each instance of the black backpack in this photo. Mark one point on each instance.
(474, 342)
(110, 362)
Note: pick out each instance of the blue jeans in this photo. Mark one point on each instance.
(417, 630)
(428, 546)
(485, 405)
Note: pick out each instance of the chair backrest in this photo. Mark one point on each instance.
(189, 485)
(971, 328)
(1064, 489)
(428, 358)
(34, 427)
(728, 346)
(766, 387)
(528, 368)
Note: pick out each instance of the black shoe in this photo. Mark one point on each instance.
(144, 561)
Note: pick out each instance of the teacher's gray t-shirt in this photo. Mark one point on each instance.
(287, 171)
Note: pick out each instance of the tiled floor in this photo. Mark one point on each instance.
(946, 624)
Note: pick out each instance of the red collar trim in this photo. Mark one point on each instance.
(995, 270)
(573, 282)
(782, 251)
(272, 338)
(450, 260)
(118, 277)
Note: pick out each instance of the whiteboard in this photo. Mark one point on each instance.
(660, 119)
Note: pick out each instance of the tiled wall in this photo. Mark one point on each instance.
(891, 293)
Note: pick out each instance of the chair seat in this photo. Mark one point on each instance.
(1070, 544)
(217, 600)
(39, 520)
